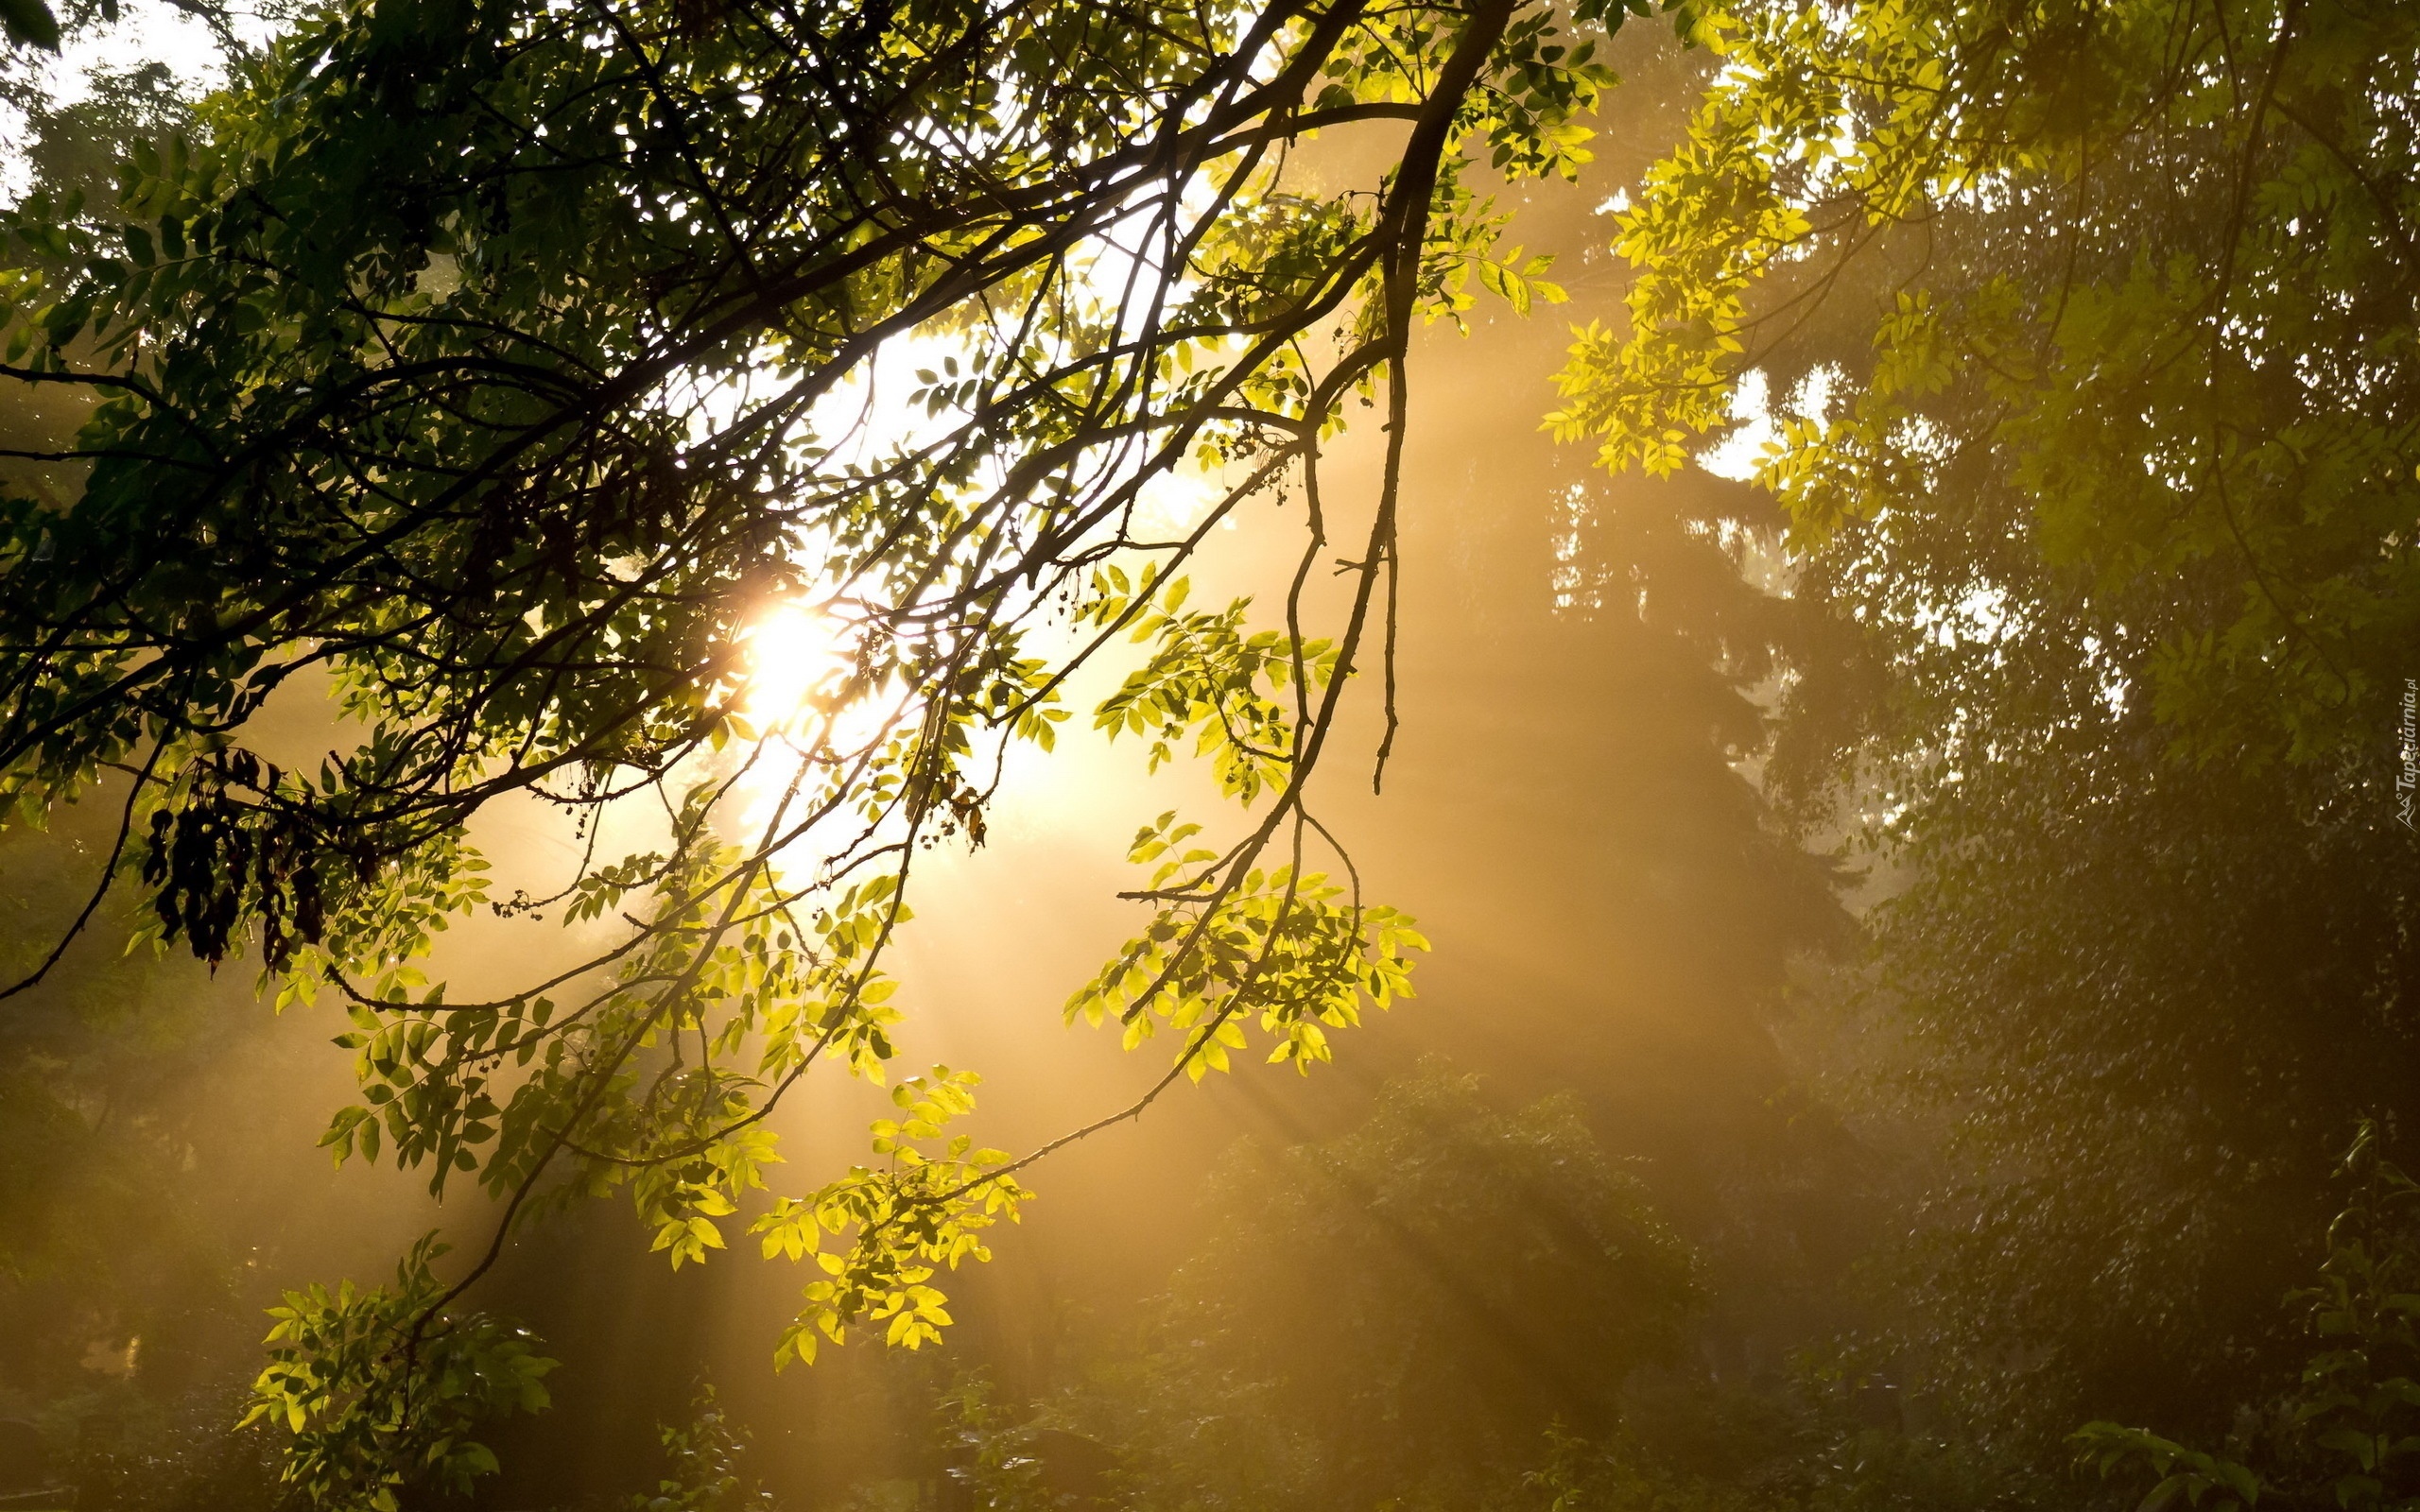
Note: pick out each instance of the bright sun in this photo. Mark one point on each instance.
(797, 659)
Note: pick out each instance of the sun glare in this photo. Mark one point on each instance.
(797, 660)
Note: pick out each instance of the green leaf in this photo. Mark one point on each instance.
(29, 23)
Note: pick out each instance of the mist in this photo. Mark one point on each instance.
(1885, 727)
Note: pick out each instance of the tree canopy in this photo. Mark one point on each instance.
(2093, 451)
(743, 430)
(516, 368)
(2098, 327)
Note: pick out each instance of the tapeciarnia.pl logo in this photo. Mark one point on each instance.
(2408, 780)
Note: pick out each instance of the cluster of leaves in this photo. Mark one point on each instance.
(1291, 947)
(1205, 671)
(703, 1463)
(902, 1224)
(2348, 1435)
(380, 1397)
(2138, 274)
(29, 24)
(993, 1465)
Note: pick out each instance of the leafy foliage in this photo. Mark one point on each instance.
(380, 1401)
(2087, 448)
(1370, 1320)
(703, 1455)
(513, 370)
(1278, 943)
(2345, 1436)
(29, 24)
(1394, 1313)
(193, 1464)
(2192, 395)
(994, 1468)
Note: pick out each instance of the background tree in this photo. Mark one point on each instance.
(1398, 1313)
(2096, 486)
